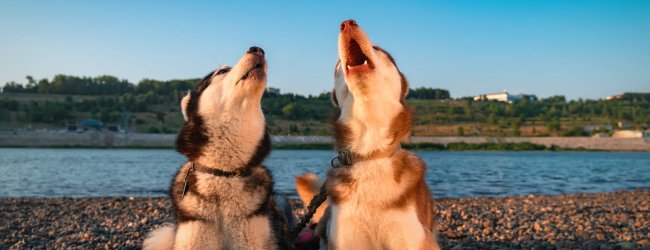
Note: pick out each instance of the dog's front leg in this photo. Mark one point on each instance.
(252, 233)
(260, 231)
(344, 233)
(403, 230)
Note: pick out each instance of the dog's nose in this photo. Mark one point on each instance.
(256, 50)
(347, 24)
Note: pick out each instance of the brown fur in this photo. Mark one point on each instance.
(321, 229)
(409, 168)
(307, 186)
(339, 184)
(341, 131)
(400, 127)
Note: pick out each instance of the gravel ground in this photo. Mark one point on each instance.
(619, 220)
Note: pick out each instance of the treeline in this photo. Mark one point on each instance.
(119, 95)
(633, 107)
(114, 97)
(556, 114)
(111, 85)
(428, 93)
(100, 85)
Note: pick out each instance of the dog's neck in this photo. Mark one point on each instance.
(234, 139)
(367, 127)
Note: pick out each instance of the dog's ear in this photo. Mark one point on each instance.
(184, 102)
(336, 72)
(334, 100)
(405, 86)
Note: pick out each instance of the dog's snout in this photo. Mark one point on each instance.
(347, 24)
(256, 50)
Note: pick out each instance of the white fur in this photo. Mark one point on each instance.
(362, 98)
(251, 233)
(184, 102)
(198, 235)
(233, 106)
(363, 215)
(161, 238)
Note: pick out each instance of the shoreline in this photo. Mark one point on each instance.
(104, 139)
(616, 220)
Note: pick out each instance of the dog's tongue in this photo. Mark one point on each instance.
(355, 55)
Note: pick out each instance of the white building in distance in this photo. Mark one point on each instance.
(503, 97)
(614, 97)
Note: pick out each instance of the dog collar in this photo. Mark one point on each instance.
(216, 172)
(346, 158)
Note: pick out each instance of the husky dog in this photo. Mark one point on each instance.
(379, 200)
(222, 196)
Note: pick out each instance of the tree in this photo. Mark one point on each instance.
(428, 93)
(32, 86)
(460, 131)
(293, 129)
(516, 127)
(553, 125)
(291, 111)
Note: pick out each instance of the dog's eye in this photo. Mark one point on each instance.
(222, 71)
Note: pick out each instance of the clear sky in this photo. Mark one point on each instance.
(580, 49)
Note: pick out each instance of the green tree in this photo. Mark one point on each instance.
(460, 131)
(293, 129)
(292, 111)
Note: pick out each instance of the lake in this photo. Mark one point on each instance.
(28, 172)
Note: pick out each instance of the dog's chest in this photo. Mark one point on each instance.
(368, 207)
(373, 182)
(373, 224)
(233, 196)
(221, 199)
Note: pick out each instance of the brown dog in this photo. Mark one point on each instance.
(381, 200)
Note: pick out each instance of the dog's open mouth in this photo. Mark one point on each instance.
(356, 59)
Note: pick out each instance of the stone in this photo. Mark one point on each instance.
(488, 223)
(453, 235)
(626, 245)
(582, 234)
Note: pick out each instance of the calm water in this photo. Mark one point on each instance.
(135, 172)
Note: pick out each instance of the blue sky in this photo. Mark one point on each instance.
(580, 49)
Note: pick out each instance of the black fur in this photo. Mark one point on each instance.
(261, 176)
(176, 192)
(192, 138)
(262, 151)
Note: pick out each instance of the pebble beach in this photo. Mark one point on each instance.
(617, 220)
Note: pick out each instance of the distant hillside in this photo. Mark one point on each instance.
(152, 106)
